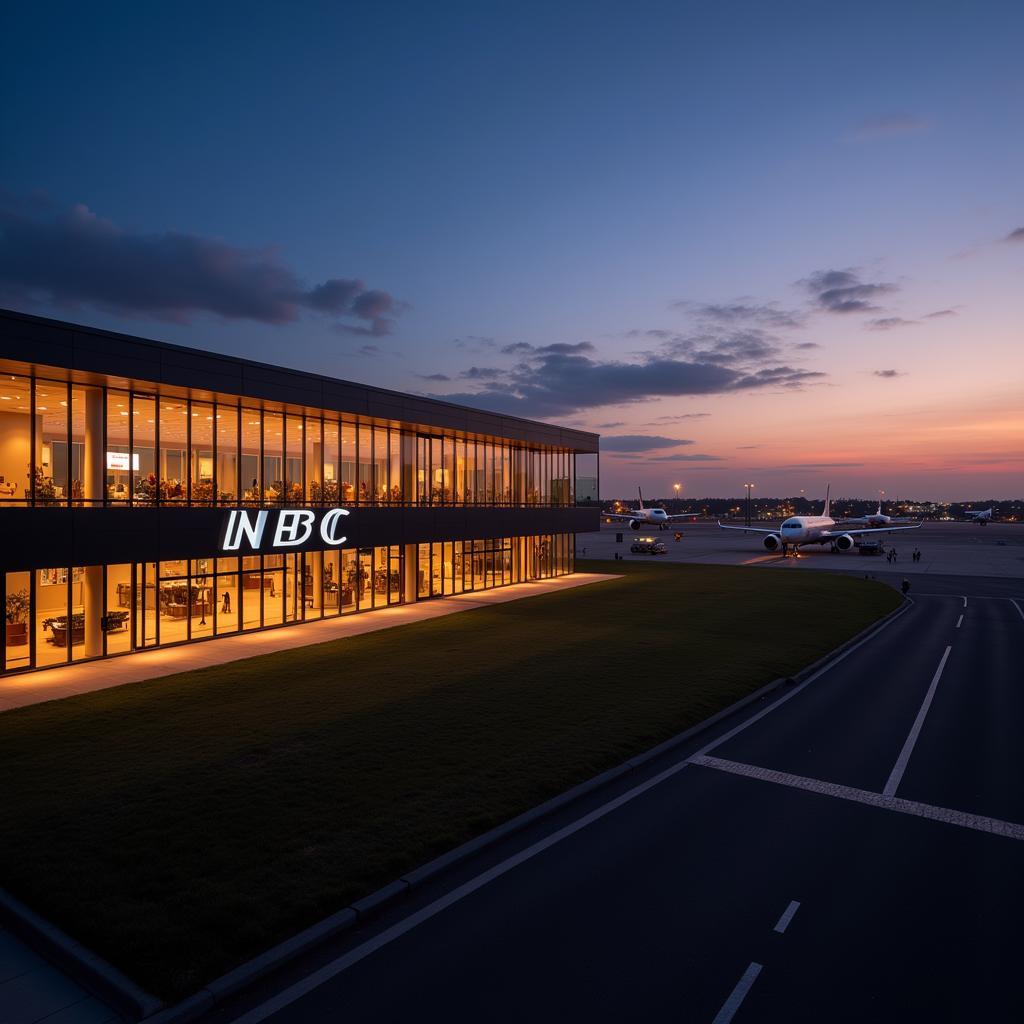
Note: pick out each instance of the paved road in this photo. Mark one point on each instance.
(848, 852)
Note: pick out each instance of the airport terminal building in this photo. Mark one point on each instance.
(152, 495)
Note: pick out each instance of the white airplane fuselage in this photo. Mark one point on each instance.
(799, 530)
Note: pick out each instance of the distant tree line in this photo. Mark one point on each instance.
(774, 508)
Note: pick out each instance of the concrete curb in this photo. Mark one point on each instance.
(90, 970)
(80, 961)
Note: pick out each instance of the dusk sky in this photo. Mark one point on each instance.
(777, 243)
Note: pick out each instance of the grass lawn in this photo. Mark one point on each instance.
(180, 826)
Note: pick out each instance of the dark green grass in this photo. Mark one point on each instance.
(182, 825)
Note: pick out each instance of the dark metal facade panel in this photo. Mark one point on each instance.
(41, 538)
(61, 349)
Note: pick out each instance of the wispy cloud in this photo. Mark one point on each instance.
(433, 376)
(639, 442)
(843, 291)
(887, 374)
(744, 311)
(686, 457)
(1016, 235)
(888, 323)
(69, 256)
(939, 313)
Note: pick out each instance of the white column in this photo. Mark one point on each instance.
(94, 470)
(92, 600)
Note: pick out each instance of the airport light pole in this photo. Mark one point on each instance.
(749, 488)
(675, 487)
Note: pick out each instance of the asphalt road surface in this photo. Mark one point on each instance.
(851, 849)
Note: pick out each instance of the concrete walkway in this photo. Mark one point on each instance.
(31, 990)
(55, 683)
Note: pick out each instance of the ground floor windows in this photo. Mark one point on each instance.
(455, 567)
(55, 616)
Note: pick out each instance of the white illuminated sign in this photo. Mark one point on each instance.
(292, 527)
(119, 460)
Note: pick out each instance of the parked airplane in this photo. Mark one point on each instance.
(823, 529)
(648, 516)
(877, 519)
(980, 517)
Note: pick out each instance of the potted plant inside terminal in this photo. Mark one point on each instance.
(17, 618)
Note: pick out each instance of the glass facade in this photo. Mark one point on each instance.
(64, 444)
(66, 614)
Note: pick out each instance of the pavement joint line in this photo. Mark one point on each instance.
(945, 815)
(787, 915)
(831, 663)
(342, 963)
(738, 994)
(896, 775)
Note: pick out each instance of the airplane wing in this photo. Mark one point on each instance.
(745, 529)
(830, 534)
(682, 515)
(619, 515)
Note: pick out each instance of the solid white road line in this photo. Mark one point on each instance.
(947, 815)
(738, 994)
(787, 916)
(1020, 611)
(965, 600)
(718, 741)
(896, 776)
(959, 621)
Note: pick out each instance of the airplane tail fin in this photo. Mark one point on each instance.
(641, 493)
(825, 510)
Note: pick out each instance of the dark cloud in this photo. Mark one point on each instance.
(71, 257)
(887, 323)
(743, 311)
(889, 126)
(842, 291)
(888, 374)
(558, 348)
(683, 457)
(481, 373)
(746, 346)
(557, 385)
(940, 313)
(806, 345)
(638, 442)
(1016, 235)
(611, 426)
(368, 350)
(433, 376)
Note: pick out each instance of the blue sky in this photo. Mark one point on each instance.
(650, 188)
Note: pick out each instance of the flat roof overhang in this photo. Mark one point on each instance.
(57, 350)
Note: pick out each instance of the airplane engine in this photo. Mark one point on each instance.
(773, 542)
(635, 524)
(844, 543)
